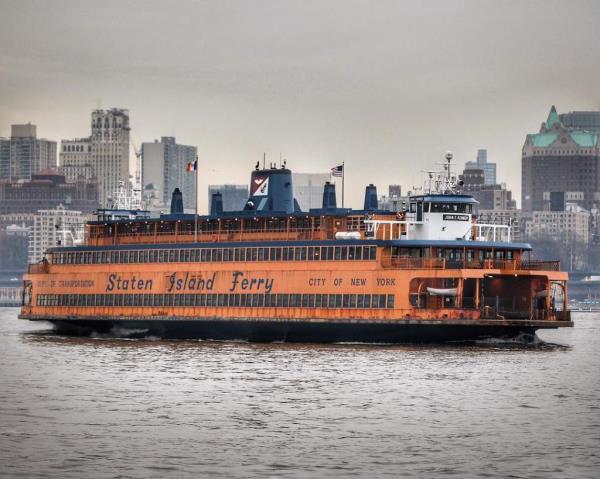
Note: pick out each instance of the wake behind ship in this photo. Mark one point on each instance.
(274, 273)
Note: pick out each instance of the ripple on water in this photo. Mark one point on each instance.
(97, 407)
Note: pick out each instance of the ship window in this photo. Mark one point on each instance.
(305, 300)
(253, 254)
(162, 256)
(201, 300)
(173, 256)
(338, 253)
(269, 300)
(367, 301)
(282, 300)
(338, 300)
(390, 301)
(353, 301)
(169, 299)
(227, 256)
(256, 300)
(346, 301)
(426, 207)
(210, 300)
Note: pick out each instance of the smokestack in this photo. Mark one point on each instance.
(216, 204)
(329, 200)
(371, 198)
(177, 202)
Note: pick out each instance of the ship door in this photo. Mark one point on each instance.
(420, 211)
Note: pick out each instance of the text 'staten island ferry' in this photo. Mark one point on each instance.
(274, 273)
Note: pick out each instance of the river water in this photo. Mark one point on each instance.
(80, 407)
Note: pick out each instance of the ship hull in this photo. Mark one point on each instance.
(306, 331)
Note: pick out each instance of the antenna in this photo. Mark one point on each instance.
(264, 160)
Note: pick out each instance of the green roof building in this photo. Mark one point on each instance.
(563, 157)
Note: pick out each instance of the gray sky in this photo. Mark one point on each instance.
(386, 86)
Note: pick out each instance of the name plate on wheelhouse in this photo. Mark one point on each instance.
(449, 217)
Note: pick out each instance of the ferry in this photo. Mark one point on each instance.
(272, 272)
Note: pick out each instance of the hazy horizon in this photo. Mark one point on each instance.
(386, 87)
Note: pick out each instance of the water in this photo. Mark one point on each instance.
(74, 407)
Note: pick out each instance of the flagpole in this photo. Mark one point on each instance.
(196, 215)
(343, 177)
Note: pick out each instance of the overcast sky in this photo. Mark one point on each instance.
(386, 86)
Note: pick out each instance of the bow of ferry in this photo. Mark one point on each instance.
(274, 273)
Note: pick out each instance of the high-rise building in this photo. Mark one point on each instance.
(24, 154)
(55, 227)
(507, 217)
(47, 189)
(394, 191)
(234, 196)
(490, 196)
(308, 189)
(583, 120)
(75, 159)
(567, 226)
(110, 151)
(489, 169)
(4, 158)
(164, 166)
(561, 159)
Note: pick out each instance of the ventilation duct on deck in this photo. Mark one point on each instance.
(216, 204)
(329, 200)
(177, 202)
(371, 198)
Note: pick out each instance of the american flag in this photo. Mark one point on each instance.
(337, 171)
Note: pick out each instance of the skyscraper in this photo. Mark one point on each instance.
(24, 154)
(560, 159)
(164, 166)
(110, 151)
(584, 120)
(234, 196)
(489, 169)
(75, 159)
(308, 189)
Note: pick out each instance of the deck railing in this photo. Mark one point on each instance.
(400, 262)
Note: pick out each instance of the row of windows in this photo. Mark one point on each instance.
(362, 301)
(205, 255)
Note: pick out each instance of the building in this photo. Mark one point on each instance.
(512, 217)
(571, 225)
(14, 243)
(490, 196)
(481, 163)
(103, 157)
(164, 165)
(308, 189)
(46, 190)
(234, 196)
(393, 201)
(494, 197)
(55, 227)
(561, 159)
(583, 120)
(75, 159)
(110, 151)
(24, 154)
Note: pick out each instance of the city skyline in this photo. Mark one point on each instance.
(225, 79)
